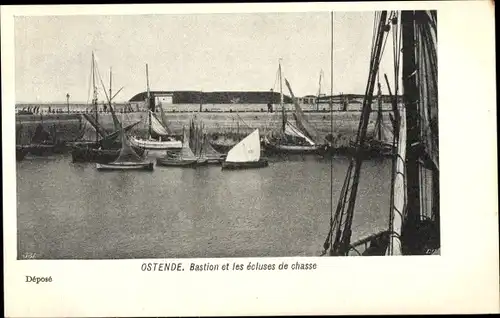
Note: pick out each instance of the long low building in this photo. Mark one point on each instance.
(197, 97)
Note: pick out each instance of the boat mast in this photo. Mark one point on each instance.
(148, 103)
(340, 226)
(94, 99)
(331, 119)
(379, 114)
(110, 82)
(411, 101)
(319, 90)
(281, 98)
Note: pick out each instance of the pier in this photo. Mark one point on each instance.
(215, 122)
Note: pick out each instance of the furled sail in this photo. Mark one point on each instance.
(208, 149)
(87, 132)
(427, 75)
(95, 124)
(156, 126)
(247, 150)
(291, 130)
(127, 153)
(302, 122)
(164, 120)
(186, 152)
(116, 122)
(111, 138)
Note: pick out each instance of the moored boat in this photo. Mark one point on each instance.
(98, 155)
(245, 154)
(159, 136)
(104, 148)
(291, 139)
(184, 158)
(149, 166)
(154, 144)
(127, 159)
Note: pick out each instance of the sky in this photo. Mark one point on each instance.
(207, 52)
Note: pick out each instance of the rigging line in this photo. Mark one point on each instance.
(361, 135)
(90, 83)
(392, 206)
(243, 121)
(331, 120)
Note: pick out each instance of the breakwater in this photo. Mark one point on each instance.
(68, 126)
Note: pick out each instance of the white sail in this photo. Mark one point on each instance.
(247, 150)
(157, 126)
(293, 131)
(186, 152)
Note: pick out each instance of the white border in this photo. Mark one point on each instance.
(464, 279)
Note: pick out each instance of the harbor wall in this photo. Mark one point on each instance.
(68, 126)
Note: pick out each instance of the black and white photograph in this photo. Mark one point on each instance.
(171, 136)
(253, 136)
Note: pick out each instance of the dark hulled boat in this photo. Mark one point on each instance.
(127, 159)
(291, 139)
(183, 158)
(107, 149)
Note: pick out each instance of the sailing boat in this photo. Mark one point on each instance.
(245, 154)
(377, 145)
(290, 139)
(201, 145)
(413, 227)
(224, 142)
(104, 148)
(128, 159)
(212, 156)
(185, 158)
(159, 135)
(380, 145)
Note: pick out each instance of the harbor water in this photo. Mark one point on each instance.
(72, 211)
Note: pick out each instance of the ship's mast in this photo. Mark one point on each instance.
(319, 90)
(281, 98)
(331, 119)
(413, 130)
(148, 103)
(94, 99)
(110, 82)
(379, 113)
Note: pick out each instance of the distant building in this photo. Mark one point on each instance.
(306, 100)
(197, 97)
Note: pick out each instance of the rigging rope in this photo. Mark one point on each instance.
(343, 226)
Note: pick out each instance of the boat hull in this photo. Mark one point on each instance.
(173, 162)
(91, 154)
(227, 165)
(147, 166)
(366, 153)
(44, 149)
(292, 149)
(155, 145)
(215, 160)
